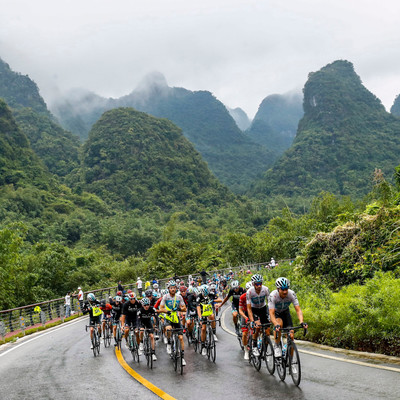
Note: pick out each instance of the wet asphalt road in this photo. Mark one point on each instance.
(59, 364)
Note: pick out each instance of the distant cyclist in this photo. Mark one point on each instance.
(116, 305)
(205, 312)
(278, 303)
(92, 307)
(129, 317)
(244, 320)
(146, 315)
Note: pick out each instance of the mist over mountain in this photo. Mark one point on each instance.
(240, 117)
(275, 124)
(132, 159)
(231, 155)
(344, 136)
(57, 148)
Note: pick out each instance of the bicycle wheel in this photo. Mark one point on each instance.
(195, 337)
(147, 349)
(281, 366)
(269, 356)
(174, 351)
(118, 336)
(257, 359)
(294, 363)
(94, 346)
(211, 349)
(179, 356)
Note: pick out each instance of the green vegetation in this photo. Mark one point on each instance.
(230, 154)
(275, 124)
(344, 136)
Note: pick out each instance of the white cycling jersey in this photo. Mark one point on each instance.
(278, 304)
(257, 300)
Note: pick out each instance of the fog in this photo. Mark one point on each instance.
(241, 51)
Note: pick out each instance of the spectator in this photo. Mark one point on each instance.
(272, 263)
(139, 285)
(204, 274)
(67, 305)
(121, 288)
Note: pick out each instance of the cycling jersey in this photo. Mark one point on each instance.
(116, 310)
(205, 304)
(146, 316)
(172, 303)
(257, 300)
(235, 296)
(243, 302)
(277, 303)
(107, 310)
(131, 310)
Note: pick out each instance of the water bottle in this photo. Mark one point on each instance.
(284, 350)
(259, 343)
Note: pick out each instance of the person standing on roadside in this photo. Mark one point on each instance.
(139, 285)
(80, 297)
(67, 305)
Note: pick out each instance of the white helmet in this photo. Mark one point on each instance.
(235, 284)
(249, 284)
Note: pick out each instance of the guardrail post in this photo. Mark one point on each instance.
(31, 316)
(2, 330)
(58, 310)
(22, 324)
(43, 317)
(61, 311)
(10, 322)
(49, 308)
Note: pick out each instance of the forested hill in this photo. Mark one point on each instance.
(231, 155)
(19, 165)
(395, 109)
(19, 90)
(242, 120)
(134, 160)
(344, 135)
(275, 124)
(56, 147)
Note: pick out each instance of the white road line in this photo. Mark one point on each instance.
(224, 327)
(41, 334)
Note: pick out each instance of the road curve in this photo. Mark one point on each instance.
(58, 364)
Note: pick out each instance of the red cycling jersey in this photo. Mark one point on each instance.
(107, 310)
(157, 305)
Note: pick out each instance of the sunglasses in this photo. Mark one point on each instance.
(257, 283)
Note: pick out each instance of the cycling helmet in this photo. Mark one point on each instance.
(282, 283)
(249, 284)
(155, 286)
(119, 293)
(257, 278)
(91, 297)
(204, 290)
(118, 299)
(145, 301)
(103, 303)
(129, 291)
(171, 283)
(148, 293)
(183, 288)
(164, 291)
(131, 295)
(213, 286)
(235, 284)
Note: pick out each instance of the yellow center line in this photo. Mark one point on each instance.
(160, 393)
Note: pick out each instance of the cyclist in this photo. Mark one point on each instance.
(235, 292)
(170, 304)
(91, 307)
(278, 304)
(204, 313)
(146, 314)
(191, 308)
(149, 294)
(244, 320)
(106, 308)
(256, 299)
(130, 318)
(116, 305)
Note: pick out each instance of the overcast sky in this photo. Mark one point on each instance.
(240, 50)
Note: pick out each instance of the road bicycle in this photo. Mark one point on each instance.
(239, 334)
(290, 356)
(265, 349)
(147, 350)
(133, 344)
(176, 350)
(196, 335)
(118, 336)
(107, 332)
(209, 343)
(95, 340)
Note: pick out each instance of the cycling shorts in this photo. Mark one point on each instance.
(243, 324)
(94, 320)
(285, 317)
(261, 314)
(147, 325)
(132, 322)
(234, 308)
(175, 325)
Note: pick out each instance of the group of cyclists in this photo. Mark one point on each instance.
(178, 307)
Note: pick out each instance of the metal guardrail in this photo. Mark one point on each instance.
(19, 319)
